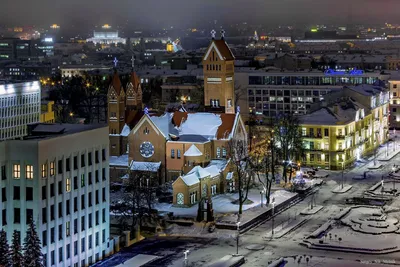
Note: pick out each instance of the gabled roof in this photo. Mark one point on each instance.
(193, 151)
(199, 172)
(126, 130)
(190, 179)
(116, 83)
(228, 121)
(209, 125)
(132, 117)
(222, 49)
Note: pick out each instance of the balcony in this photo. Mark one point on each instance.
(313, 136)
(314, 149)
(340, 137)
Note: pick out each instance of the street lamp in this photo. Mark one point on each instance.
(382, 184)
(342, 173)
(262, 192)
(237, 238)
(273, 219)
(186, 252)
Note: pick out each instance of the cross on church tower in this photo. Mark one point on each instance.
(222, 34)
(115, 62)
(213, 32)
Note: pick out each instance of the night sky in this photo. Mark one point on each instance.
(187, 13)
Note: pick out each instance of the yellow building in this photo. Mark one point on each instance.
(394, 86)
(47, 112)
(346, 126)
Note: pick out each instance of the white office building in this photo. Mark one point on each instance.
(59, 176)
(268, 93)
(106, 37)
(19, 106)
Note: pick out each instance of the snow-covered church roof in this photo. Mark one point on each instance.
(208, 125)
(125, 131)
(193, 151)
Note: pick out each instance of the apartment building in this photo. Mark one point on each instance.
(346, 126)
(58, 175)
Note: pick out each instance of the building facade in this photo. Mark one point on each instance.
(124, 111)
(394, 87)
(268, 93)
(219, 70)
(58, 175)
(346, 126)
(19, 106)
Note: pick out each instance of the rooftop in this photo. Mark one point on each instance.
(41, 131)
(367, 89)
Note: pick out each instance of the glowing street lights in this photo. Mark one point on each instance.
(262, 192)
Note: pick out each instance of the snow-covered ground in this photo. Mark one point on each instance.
(222, 204)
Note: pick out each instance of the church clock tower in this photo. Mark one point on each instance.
(219, 70)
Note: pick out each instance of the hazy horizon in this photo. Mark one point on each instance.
(157, 13)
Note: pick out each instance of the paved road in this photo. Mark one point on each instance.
(289, 245)
(204, 251)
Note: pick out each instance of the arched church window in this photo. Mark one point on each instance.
(180, 199)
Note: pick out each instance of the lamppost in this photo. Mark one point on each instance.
(273, 219)
(237, 238)
(186, 252)
(262, 192)
(342, 173)
(382, 184)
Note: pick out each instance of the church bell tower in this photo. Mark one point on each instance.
(219, 70)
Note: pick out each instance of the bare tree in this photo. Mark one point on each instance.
(241, 168)
(262, 163)
(138, 197)
(288, 142)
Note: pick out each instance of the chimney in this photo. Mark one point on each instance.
(336, 109)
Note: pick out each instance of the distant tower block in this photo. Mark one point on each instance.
(255, 36)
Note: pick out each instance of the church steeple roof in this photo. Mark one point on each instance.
(135, 80)
(116, 83)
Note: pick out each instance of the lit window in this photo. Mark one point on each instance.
(68, 185)
(44, 170)
(17, 171)
(52, 168)
(223, 152)
(218, 152)
(179, 153)
(172, 153)
(68, 229)
(29, 172)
